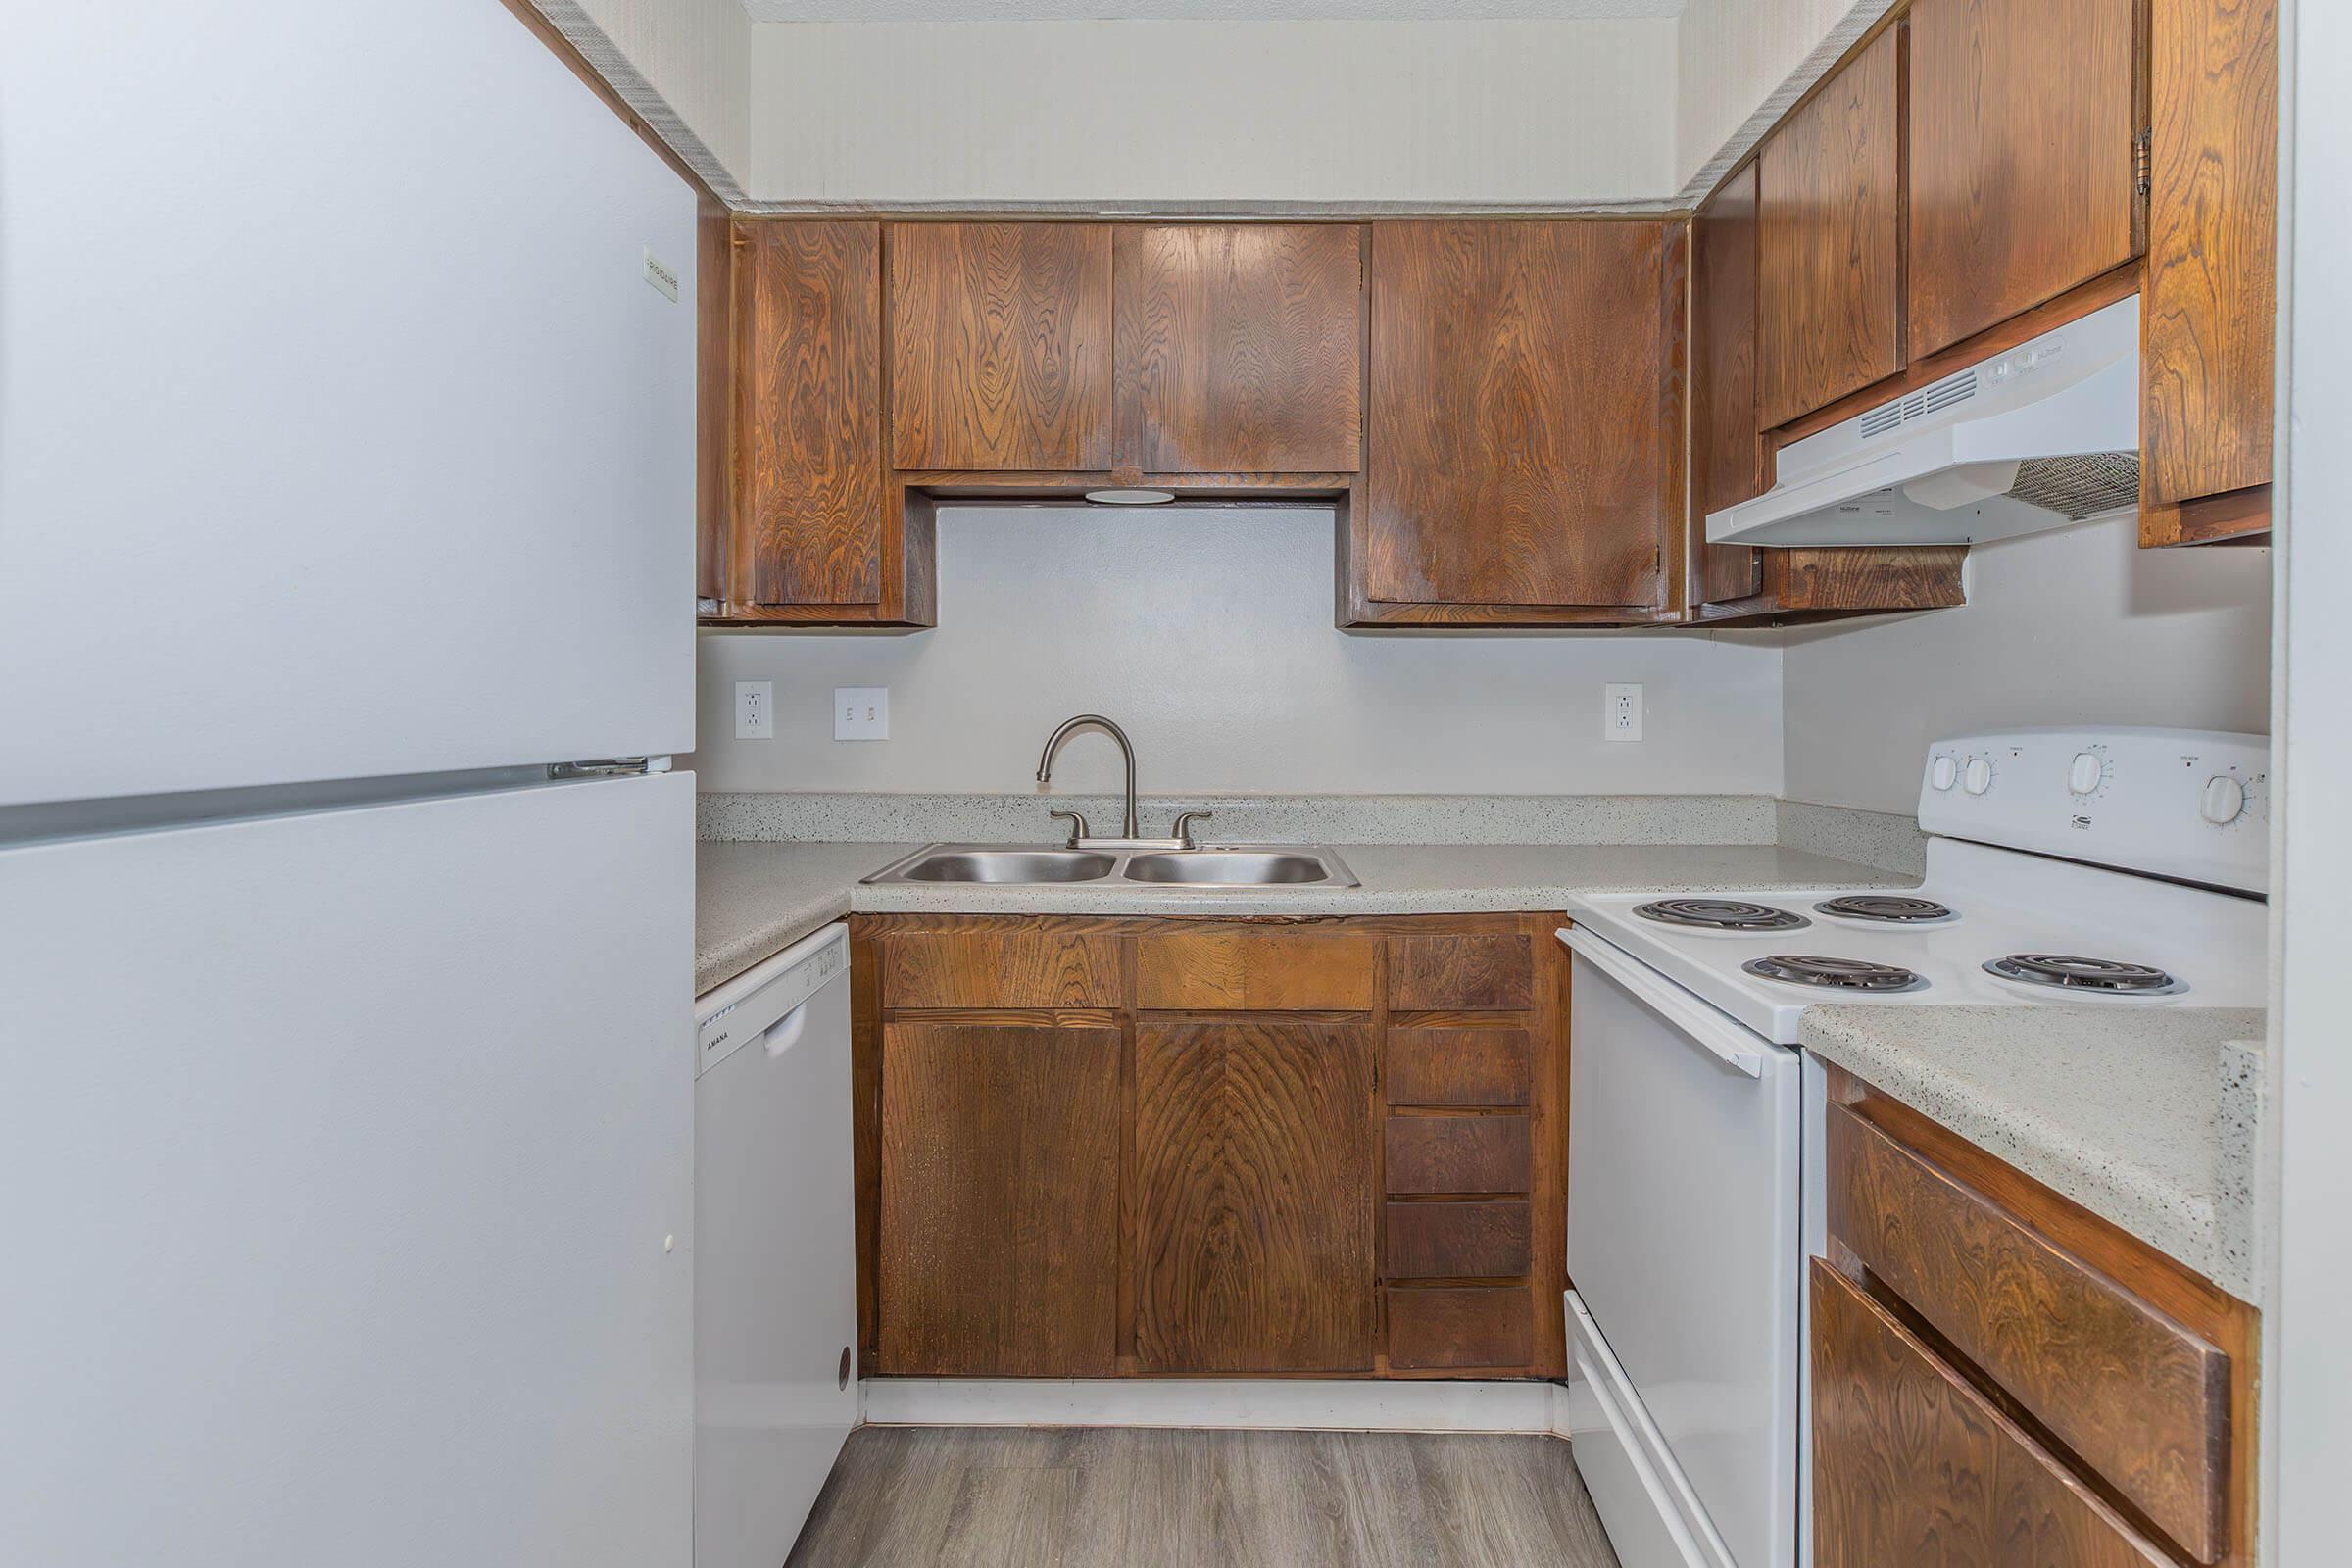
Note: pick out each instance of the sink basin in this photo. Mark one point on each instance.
(1226, 867)
(1005, 866)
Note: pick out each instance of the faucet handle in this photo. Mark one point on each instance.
(1078, 829)
(1183, 830)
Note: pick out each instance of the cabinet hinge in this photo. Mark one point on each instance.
(2142, 161)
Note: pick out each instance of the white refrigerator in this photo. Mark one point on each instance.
(346, 495)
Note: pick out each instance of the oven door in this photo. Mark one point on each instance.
(1685, 1152)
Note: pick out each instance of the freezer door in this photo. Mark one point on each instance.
(348, 1164)
(341, 433)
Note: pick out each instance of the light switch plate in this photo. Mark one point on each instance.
(1620, 710)
(862, 713)
(754, 709)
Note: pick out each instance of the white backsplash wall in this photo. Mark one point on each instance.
(1208, 633)
(2074, 626)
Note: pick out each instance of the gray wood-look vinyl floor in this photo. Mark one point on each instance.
(1137, 1497)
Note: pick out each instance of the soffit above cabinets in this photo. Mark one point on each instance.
(1204, 10)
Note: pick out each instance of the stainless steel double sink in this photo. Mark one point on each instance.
(1228, 865)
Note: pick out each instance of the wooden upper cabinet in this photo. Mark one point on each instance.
(1525, 420)
(1729, 464)
(2025, 120)
(1000, 346)
(1239, 348)
(808, 414)
(2210, 297)
(1830, 239)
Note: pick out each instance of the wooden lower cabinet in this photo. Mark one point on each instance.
(1000, 1218)
(2000, 1377)
(1254, 1166)
(1156, 1146)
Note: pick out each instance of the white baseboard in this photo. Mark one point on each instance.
(1268, 1403)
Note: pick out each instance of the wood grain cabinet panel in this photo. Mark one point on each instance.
(1729, 462)
(1830, 239)
(809, 419)
(1000, 346)
(1263, 971)
(1468, 973)
(999, 1237)
(1460, 1066)
(1008, 968)
(2023, 126)
(1253, 1194)
(1239, 348)
(1457, 1240)
(1459, 1154)
(2143, 1400)
(1459, 1327)
(1913, 1468)
(1525, 414)
(2209, 300)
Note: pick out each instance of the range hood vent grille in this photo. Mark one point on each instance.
(2078, 487)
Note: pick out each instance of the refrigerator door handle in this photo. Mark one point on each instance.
(1692, 1018)
(608, 767)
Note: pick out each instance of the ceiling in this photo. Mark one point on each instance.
(1202, 10)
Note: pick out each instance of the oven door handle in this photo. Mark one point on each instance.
(1701, 1025)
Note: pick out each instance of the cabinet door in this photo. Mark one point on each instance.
(1728, 461)
(2210, 296)
(1912, 1466)
(808, 413)
(1254, 1196)
(998, 1242)
(1241, 348)
(2024, 118)
(1830, 241)
(1000, 346)
(1525, 414)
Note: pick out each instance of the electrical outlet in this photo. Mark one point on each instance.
(1620, 710)
(754, 709)
(862, 713)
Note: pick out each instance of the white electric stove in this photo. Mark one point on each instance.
(2112, 869)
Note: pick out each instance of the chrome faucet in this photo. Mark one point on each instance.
(1129, 831)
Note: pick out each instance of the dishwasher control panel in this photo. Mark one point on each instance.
(746, 1006)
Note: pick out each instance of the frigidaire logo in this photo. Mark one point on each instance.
(2082, 821)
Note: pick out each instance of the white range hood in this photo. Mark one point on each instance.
(2045, 434)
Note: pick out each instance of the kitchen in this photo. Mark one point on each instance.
(1663, 712)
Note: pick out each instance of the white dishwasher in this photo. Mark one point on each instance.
(776, 1307)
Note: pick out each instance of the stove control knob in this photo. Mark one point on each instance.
(1942, 772)
(2086, 773)
(2223, 800)
(1978, 777)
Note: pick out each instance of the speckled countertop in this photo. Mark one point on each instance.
(2145, 1117)
(752, 898)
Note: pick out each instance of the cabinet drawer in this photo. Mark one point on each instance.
(1466, 972)
(1459, 1066)
(1911, 1465)
(2139, 1397)
(1457, 1153)
(1432, 1327)
(1457, 1240)
(999, 969)
(1270, 971)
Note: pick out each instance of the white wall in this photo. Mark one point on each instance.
(1208, 634)
(697, 54)
(2076, 625)
(1196, 113)
(1732, 56)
